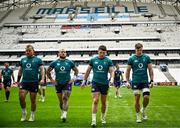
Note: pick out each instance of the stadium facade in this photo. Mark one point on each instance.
(81, 26)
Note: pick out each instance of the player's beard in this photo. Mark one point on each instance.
(62, 57)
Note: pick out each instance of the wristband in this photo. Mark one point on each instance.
(151, 81)
(18, 78)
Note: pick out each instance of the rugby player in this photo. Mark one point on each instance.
(100, 65)
(140, 63)
(63, 81)
(118, 79)
(28, 69)
(6, 74)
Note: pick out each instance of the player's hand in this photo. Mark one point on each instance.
(14, 84)
(83, 84)
(18, 84)
(71, 81)
(128, 85)
(151, 84)
(1, 85)
(54, 82)
(111, 82)
(41, 82)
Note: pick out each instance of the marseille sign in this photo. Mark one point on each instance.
(88, 10)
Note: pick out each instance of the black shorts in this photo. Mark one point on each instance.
(29, 86)
(63, 87)
(7, 83)
(97, 87)
(117, 83)
(139, 86)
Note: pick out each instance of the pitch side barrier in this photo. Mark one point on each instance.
(27, 40)
(131, 49)
(167, 83)
(93, 23)
(117, 58)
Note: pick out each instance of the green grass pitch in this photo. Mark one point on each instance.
(163, 110)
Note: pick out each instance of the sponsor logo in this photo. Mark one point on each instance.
(100, 67)
(28, 65)
(62, 68)
(140, 65)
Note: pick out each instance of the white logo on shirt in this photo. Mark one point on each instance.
(136, 61)
(62, 68)
(140, 65)
(28, 65)
(100, 67)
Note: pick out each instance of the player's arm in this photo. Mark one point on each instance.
(151, 74)
(122, 77)
(19, 75)
(0, 77)
(128, 69)
(42, 74)
(86, 75)
(13, 77)
(111, 72)
(76, 71)
(75, 75)
(49, 75)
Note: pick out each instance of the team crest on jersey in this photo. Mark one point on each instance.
(100, 67)
(58, 64)
(24, 61)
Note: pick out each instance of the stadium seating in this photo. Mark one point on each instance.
(81, 35)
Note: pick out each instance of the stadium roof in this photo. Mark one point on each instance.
(13, 4)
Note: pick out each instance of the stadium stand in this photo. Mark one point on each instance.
(80, 27)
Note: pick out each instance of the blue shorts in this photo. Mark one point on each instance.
(117, 83)
(7, 83)
(29, 86)
(144, 87)
(63, 87)
(97, 87)
(139, 86)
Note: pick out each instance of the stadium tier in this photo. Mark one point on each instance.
(80, 27)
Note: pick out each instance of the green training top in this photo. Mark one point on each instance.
(139, 65)
(6, 73)
(62, 70)
(100, 69)
(30, 67)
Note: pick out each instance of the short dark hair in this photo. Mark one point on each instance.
(6, 63)
(30, 46)
(138, 46)
(102, 47)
